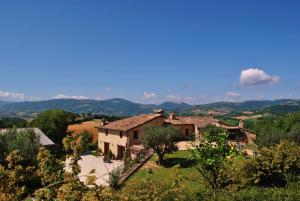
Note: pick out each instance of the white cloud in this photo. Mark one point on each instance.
(12, 96)
(179, 98)
(149, 95)
(229, 96)
(255, 76)
(62, 96)
(233, 94)
(260, 97)
(107, 89)
(172, 97)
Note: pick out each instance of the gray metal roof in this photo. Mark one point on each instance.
(43, 138)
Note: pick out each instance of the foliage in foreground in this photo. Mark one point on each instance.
(25, 141)
(211, 153)
(276, 166)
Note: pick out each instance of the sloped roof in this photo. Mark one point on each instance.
(198, 121)
(131, 122)
(43, 138)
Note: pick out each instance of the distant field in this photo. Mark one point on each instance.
(88, 126)
(248, 117)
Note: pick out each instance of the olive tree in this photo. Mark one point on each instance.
(161, 139)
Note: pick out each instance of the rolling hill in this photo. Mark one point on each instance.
(2, 103)
(115, 107)
(245, 105)
(122, 107)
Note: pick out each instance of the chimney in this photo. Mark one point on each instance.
(172, 115)
(103, 122)
(158, 111)
(241, 124)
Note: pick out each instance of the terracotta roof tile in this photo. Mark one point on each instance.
(131, 122)
(198, 121)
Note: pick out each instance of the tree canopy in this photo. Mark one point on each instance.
(161, 139)
(54, 123)
(25, 141)
(272, 130)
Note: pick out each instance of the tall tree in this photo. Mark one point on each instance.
(161, 139)
(54, 123)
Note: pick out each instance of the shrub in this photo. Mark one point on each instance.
(114, 178)
(275, 165)
(107, 157)
(92, 146)
(267, 194)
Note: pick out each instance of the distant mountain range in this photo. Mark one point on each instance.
(115, 107)
(4, 103)
(122, 107)
(246, 105)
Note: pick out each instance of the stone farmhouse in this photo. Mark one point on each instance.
(126, 134)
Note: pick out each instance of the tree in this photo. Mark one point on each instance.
(211, 152)
(15, 177)
(77, 144)
(25, 141)
(54, 123)
(271, 130)
(50, 169)
(161, 139)
(294, 134)
(10, 122)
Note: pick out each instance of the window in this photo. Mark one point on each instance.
(187, 132)
(121, 134)
(106, 132)
(135, 135)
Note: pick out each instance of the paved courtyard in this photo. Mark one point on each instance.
(184, 145)
(102, 170)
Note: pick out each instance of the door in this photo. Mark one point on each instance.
(106, 147)
(121, 150)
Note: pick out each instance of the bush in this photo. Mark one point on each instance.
(114, 178)
(92, 146)
(107, 157)
(94, 153)
(267, 194)
(275, 166)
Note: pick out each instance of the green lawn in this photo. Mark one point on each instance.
(165, 173)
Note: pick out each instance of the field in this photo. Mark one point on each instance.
(187, 169)
(88, 126)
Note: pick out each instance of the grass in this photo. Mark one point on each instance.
(187, 169)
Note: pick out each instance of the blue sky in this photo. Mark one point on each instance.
(150, 51)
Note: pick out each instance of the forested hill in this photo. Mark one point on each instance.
(2, 103)
(246, 105)
(122, 107)
(115, 107)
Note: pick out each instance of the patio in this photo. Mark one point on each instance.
(102, 170)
